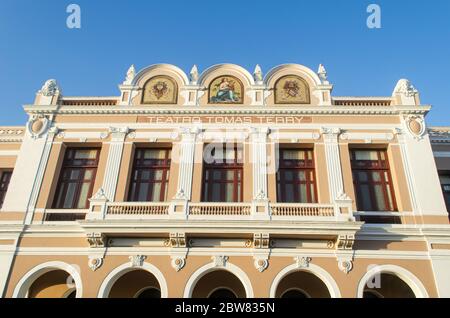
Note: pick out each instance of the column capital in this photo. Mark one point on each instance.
(116, 133)
(331, 131)
(331, 134)
(189, 133)
(259, 131)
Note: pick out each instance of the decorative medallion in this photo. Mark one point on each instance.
(345, 265)
(226, 90)
(37, 126)
(261, 264)
(416, 126)
(178, 263)
(160, 90)
(95, 263)
(292, 90)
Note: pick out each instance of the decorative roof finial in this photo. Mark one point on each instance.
(194, 74)
(322, 72)
(405, 88)
(50, 88)
(257, 74)
(131, 73)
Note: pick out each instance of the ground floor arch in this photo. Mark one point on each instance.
(50, 280)
(311, 282)
(390, 281)
(210, 281)
(134, 282)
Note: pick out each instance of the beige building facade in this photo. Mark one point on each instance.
(227, 184)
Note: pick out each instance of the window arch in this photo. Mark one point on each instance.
(292, 89)
(160, 89)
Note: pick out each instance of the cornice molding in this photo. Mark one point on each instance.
(242, 110)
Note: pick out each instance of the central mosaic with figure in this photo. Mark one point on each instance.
(226, 90)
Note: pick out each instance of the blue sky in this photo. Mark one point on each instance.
(35, 44)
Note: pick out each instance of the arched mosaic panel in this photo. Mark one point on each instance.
(226, 90)
(160, 90)
(292, 89)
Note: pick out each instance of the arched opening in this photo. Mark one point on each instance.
(136, 284)
(53, 284)
(295, 293)
(219, 284)
(301, 284)
(150, 292)
(387, 286)
(372, 294)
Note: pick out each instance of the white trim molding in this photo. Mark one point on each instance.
(409, 278)
(22, 287)
(123, 269)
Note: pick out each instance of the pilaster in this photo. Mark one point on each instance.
(179, 204)
(258, 141)
(333, 158)
(111, 177)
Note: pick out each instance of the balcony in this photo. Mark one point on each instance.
(206, 211)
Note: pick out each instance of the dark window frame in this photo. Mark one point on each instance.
(307, 165)
(70, 164)
(140, 164)
(444, 190)
(224, 167)
(379, 166)
(5, 178)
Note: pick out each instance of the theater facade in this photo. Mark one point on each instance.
(224, 183)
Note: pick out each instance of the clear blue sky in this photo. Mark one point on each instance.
(35, 44)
